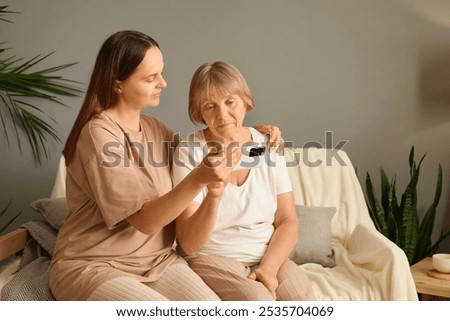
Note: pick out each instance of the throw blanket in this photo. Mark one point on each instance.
(31, 282)
(368, 265)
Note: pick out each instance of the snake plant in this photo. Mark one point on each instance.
(400, 222)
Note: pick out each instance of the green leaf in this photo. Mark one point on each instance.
(426, 230)
(411, 159)
(413, 238)
(24, 88)
(10, 106)
(438, 192)
(395, 208)
(392, 212)
(410, 221)
(3, 11)
(4, 211)
(19, 90)
(410, 227)
(377, 210)
(385, 187)
(428, 221)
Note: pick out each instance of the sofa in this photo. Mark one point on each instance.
(339, 248)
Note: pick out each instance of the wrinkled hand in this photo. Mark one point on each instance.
(276, 141)
(269, 281)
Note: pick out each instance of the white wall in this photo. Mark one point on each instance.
(375, 73)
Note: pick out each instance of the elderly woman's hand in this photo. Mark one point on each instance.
(269, 280)
(276, 141)
(217, 165)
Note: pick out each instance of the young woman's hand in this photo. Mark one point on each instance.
(276, 141)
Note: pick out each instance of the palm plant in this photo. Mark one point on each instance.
(21, 89)
(21, 92)
(400, 222)
(4, 225)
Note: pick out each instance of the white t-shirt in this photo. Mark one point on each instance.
(246, 213)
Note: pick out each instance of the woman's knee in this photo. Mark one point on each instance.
(246, 290)
(256, 293)
(294, 284)
(125, 289)
(180, 282)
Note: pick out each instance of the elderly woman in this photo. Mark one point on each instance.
(237, 234)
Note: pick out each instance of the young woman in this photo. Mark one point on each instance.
(237, 234)
(116, 243)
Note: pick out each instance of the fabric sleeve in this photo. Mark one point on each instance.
(114, 181)
(283, 182)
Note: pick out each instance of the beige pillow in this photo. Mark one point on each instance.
(54, 210)
(314, 236)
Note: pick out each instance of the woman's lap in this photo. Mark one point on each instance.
(178, 283)
(208, 278)
(229, 279)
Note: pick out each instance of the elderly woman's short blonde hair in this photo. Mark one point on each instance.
(216, 79)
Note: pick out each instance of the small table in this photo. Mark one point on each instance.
(429, 287)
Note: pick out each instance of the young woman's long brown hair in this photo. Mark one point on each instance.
(117, 59)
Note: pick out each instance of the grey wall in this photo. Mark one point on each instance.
(375, 73)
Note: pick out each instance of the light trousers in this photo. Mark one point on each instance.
(228, 278)
(179, 283)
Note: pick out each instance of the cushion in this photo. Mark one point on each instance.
(314, 236)
(8, 269)
(30, 283)
(54, 210)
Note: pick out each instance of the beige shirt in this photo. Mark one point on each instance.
(114, 171)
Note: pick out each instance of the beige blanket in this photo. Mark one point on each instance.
(368, 265)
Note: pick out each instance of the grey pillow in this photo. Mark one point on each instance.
(314, 236)
(54, 210)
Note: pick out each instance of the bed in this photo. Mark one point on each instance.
(339, 248)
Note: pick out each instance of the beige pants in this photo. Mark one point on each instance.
(179, 283)
(229, 279)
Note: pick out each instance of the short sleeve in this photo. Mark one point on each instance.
(124, 169)
(115, 184)
(283, 182)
